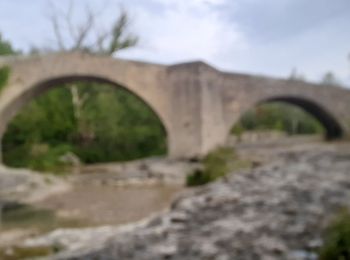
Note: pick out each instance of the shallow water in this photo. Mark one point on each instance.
(84, 206)
(90, 205)
(101, 205)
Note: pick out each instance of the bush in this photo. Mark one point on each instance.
(198, 177)
(49, 159)
(215, 165)
(4, 75)
(337, 239)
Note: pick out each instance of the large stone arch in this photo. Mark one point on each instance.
(41, 87)
(31, 78)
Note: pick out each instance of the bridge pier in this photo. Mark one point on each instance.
(197, 112)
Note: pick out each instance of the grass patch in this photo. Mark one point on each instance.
(22, 216)
(49, 159)
(16, 253)
(215, 165)
(337, 238)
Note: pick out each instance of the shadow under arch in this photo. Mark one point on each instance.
(42, 87)
(333, 129)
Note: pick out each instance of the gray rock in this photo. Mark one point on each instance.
(276, 211)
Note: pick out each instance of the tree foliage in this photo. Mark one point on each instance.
(330, 79)
(120, 127)
(337, 238)
(89, 35)
(296, 75)
(6, 47)
(278, 116)
(4, 75)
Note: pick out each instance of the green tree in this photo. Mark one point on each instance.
(5, 47)
(295, 75)
(330, 79)
(4, 74)
(84, 37)
(95, 121)
(89, 36)
(278, 116)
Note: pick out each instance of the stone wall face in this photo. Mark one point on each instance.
(197, 104)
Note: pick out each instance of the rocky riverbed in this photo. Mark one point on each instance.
(35, 203)
(275, 211)
(27, 186)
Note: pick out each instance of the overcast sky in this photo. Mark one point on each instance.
(269, 37)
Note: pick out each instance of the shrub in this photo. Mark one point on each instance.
(238, 130)
(49, 159)
(215, 165)
(337, 238)
(198, 177)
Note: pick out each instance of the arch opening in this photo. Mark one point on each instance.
(102, 122)
(292, 115)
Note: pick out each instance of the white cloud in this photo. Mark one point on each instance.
(234, 35)
(185, 30)
(187, 4)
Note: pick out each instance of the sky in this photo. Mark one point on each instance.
(265, 37)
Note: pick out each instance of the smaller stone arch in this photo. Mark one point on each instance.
(333, 129)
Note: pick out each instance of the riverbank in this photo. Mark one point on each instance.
(276, 211)
(98, 195)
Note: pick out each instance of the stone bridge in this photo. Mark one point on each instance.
(197, 104)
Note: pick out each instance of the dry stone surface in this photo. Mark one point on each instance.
(276, 211)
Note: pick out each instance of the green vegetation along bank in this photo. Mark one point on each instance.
(110, 125)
